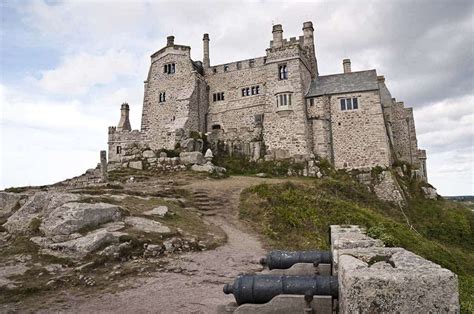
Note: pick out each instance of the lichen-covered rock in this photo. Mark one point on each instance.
(8, 201)
(136, 165)
(148, 154)
(160, 211)
(429, 192)
(146, 225)
(80, 247)
(37, 206)
(71, 217)
(191, 158)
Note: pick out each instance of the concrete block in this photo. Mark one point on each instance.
(393, 280)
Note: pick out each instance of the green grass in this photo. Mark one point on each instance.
(298, 216)
(245, 166)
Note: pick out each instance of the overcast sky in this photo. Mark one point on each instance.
(66, 66)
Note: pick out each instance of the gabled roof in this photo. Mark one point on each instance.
(343, 83)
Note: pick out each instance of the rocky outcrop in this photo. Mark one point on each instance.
(146, 225)
(429, 192)
(191, 158)
(36, 207)
(80, 247)
(8, 202)
(71, 217)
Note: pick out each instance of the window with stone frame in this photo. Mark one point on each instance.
(282, 72)
(283, 100)
(258, 119)
(250, 91)
(348, 104)
(119, 150)
(311, 102)
(162, 97)
(218, 96)
(169, 68)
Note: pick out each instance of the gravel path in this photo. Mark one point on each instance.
(197, 284)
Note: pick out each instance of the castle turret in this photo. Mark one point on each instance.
(206, 61)
(346, 65)
(277, 35)
(124, 123)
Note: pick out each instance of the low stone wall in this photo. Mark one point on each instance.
(376, 279)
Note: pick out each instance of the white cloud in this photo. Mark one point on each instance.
(78, 73)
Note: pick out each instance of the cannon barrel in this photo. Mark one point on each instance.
(263, 288)
(286, 259)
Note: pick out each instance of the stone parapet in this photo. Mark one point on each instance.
(376, 279)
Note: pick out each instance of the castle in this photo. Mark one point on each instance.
(274, 107)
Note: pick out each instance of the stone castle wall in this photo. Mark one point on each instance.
(359, 136)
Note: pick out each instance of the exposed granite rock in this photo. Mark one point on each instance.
(8, 202)
(37, 206)
(429, 192)
(71, 217)
(191, 158)
(146, 225)
(160, 211)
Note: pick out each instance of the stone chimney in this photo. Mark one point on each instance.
(169, 41)
(205, 60)
(277, 35)
(308, 34)
(346, 65)
(124, 123)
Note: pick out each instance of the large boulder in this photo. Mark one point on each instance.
(36, 207)
(136, 165)
(191, 158)
(80, 247)
(71, 217)
(429, 192)
(148, 154)
(8, 202)
(146, 225)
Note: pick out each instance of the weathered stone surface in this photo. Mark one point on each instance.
(387, 188)
(388, 280)
(148, 154)
(160, 211)
(8, 201)
(136, 164)
(71, 217)
(37, 206)
(191, 158)
(430, 193)
(82, 246)
(146, 225)
(8, 271)
(208, 167)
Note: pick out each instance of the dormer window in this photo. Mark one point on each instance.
(282, 72)
(169, 68)
(162, 97)
(349, 103)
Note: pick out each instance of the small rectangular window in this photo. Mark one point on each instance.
(343, 104)
(311, 102)
(165, 68)
(243, 92)
(222, 96)
(348, 104)
(173, 68)
(247, 91)
(119, 149)
(251, 63)
(355, 104)
(226, 68)
(239, 65)
(257, 89)
(214, 97)
(289, 99)
(253, 90)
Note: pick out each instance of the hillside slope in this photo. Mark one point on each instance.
(297, 215)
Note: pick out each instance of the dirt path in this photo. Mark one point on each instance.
(196, 279)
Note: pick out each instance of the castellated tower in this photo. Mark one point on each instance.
(175, 96)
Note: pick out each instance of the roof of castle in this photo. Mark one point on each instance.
(343, 83)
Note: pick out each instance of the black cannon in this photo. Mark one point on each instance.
(263, 288)
(286, 259)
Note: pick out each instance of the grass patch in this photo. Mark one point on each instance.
(245, 166)
(298, 216)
